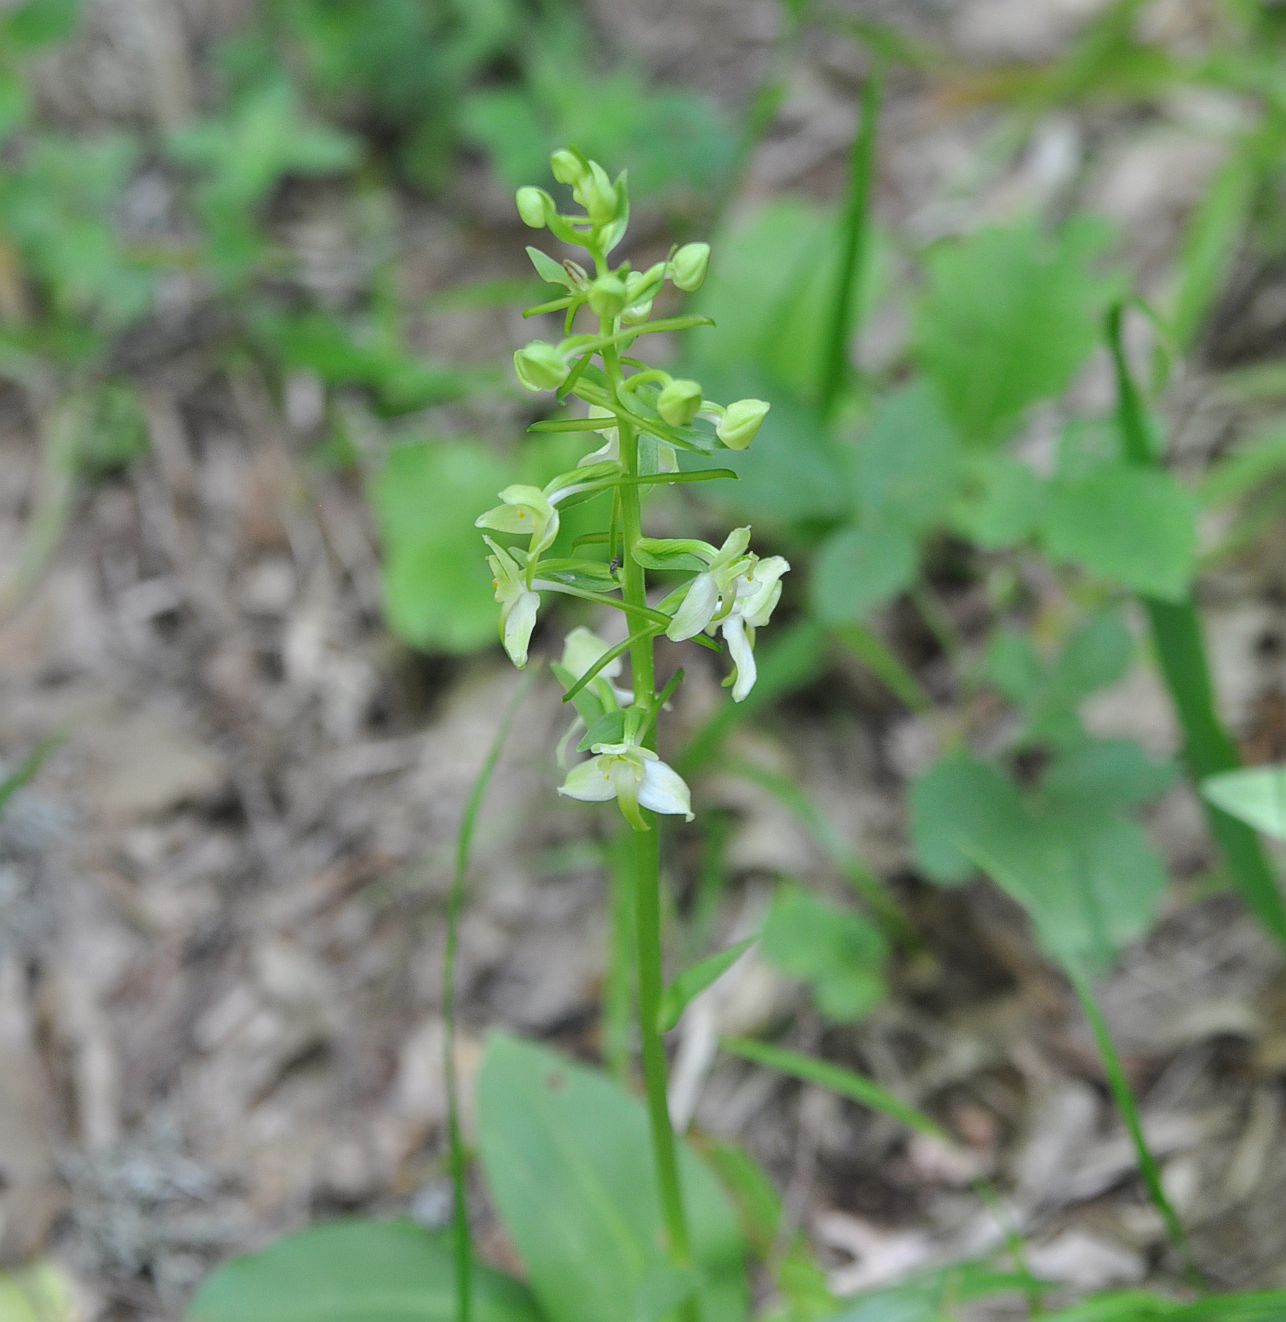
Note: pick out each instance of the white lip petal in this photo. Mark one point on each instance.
(519, 621)
(590, 782)
(743, 657)
(665, 791)
(696, 610)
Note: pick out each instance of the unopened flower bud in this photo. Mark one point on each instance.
(688, 266)
(640, 289)
(535, 206)
(597, 194)
(540, 366)
(741, 422)
(566, 166)
(607, 296)
(679, 402)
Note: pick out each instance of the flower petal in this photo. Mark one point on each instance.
(628, 776)
(743, 656)
(696, 610)
(665, 791)
(506, 518)
(590, 782)
(516, 623)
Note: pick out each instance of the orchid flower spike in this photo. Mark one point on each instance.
(632, 775)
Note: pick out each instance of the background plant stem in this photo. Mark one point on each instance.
(461, 1235)
(1176, 633)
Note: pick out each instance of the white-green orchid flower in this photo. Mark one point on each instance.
(519, 602)
(534, 511)
(525, 509)
(712, 586)
(632, 775)
(757, 593)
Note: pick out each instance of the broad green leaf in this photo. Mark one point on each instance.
(694, 980)
(1129, 525)
(1012, 663)
(861, 568)
(1107, 774)
(1256, 796)
(569, 1164)
(355, 1271)
(1008, 317)
(907, 462)
(1050, 693)
(437, 591)
(1089, 880)
(1096, 655)
(1091, 883)
(959, 792)
(1000, 502)
(837, 951)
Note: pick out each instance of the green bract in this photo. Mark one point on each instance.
(645, 417)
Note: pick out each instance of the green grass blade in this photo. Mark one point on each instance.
(1123, 1096)
(462, 1236)
(837, 1079)
(1181, 653)
(27, 770)
(854, 242)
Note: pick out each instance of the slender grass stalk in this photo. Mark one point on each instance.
(1181, 652)
(647, 870)
(1123, 1096)
(854, 241)
(28, 768)
(884, 664)
(865, 882)
(461, 1235)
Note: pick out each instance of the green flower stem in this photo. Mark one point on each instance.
(647, 875)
